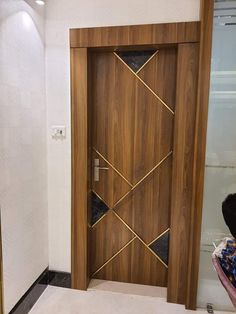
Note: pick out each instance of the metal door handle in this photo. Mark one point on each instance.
(97, 168)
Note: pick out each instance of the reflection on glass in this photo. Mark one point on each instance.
(220, 172)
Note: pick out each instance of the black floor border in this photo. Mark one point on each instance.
(25, 304)
(48, 277)
(59, 279)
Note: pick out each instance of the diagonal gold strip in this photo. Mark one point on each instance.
(152, 56)
(153, 169)
(136, 235)
(159, 259)
(99, 219)
(112, 167)
(102, 199)
(102, 215)
(121, 199)
(140, 181)
(140, 239)
(124, 196)
(110, 259)
(145, 84)
(158, 237)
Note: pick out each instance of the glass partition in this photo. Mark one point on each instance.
(220, 171)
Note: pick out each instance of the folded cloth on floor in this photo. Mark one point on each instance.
(224, 261)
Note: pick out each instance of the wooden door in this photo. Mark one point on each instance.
(132, 104)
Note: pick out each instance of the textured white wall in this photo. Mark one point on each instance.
(60, 16)
(23, 171)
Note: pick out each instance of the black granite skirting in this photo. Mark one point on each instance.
(59, 279)
(28, 300)
(48, 277)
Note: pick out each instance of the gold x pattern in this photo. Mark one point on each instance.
(136, 236)
(133, 187)
(139, 78)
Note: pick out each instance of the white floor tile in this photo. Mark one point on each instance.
(127, 288)
(67, 301)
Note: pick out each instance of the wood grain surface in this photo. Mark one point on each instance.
(132, 136)
(182, 180)
(79, 102)
(149, 34)
(131, 127)
(135, 264)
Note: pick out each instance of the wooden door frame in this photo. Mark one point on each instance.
(206, 30)
(188, 37)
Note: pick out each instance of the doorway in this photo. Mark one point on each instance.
(134, 103)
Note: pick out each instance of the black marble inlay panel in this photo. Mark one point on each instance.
(59, 279)
(161, 247)
(135, 59)
(99, 208)
(28, 300)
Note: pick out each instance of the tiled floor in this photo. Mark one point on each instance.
(108, 298)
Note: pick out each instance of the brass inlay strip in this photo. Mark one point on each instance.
(140, 181)
(147, 62)
(145, 84)
(104, 215)
(153, 169)
(136, 236)
(112, 167)
(134, 187)
(110, 259)
(101, 198)
(99, 219)
(158, 237)
(140, 239)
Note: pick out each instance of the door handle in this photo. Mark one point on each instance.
(97, 169)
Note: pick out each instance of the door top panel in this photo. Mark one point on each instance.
(132, 125)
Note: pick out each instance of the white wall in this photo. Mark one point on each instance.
(23, 171)
(60, 16)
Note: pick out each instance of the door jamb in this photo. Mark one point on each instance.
(206, 29)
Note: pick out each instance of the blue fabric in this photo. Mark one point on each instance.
(228, 260)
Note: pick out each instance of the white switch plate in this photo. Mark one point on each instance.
(58, 131)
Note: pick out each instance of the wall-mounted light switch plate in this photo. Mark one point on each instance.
(58, 131)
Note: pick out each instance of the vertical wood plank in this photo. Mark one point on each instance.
(79, 120)
(186, 98)
(207, 10)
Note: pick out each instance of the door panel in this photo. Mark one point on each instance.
(159, 75)
(149, 202)
(133, 97)
(108, 178)
(132, 129)
(109, 228)
(135, 264)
